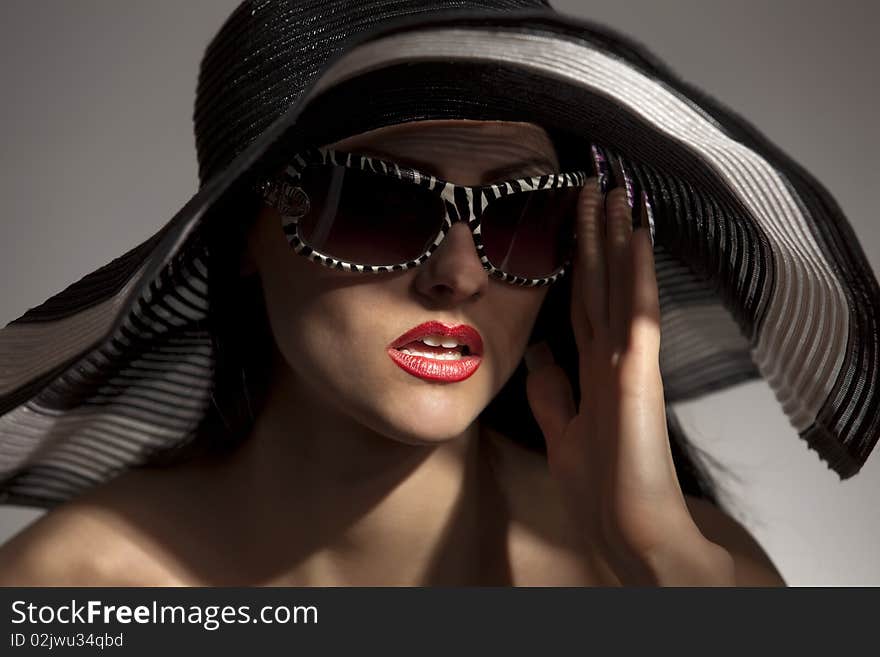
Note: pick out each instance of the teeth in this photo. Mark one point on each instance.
(440, 341)
(450, 356)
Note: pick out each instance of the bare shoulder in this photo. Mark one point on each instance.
(83, 542)
(71, 545)
(753, 566)
(545, 551)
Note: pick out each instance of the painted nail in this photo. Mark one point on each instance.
(638, 199)
(623, 178)
(600, 166)
(647, 215)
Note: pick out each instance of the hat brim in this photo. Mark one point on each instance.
(758, 269)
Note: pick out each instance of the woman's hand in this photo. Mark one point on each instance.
(610, 455)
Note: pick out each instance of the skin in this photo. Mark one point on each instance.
(344, 422)
(326, 325)
(610, 453)
(359, 473)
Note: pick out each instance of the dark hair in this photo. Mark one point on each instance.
(243, 344)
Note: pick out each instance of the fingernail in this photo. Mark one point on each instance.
(600, 165)
(648, 215)
(638, 201)
(538, 356)
(622, 178)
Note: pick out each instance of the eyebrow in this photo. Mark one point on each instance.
(489, 177)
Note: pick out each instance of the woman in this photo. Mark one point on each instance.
(389, 477)
(392, 476)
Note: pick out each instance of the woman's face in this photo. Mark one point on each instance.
(333, 328)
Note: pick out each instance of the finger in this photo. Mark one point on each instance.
(645, 465)
(645, 452)
(549, 394)
(591, 255)
(581, 327)
(640, 365)
(584, 335)
(619, 232)
(645, 326)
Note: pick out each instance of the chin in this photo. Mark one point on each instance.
(427, 421)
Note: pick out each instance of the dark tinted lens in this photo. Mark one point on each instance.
(529, 234)
(367, 218)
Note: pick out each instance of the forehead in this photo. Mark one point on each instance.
(454, 134)
(459, 142)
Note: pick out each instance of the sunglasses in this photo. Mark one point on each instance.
(358, 213)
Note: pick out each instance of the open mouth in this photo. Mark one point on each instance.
(436, 351)
(419, 348)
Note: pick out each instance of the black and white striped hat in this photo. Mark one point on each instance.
(759, 272)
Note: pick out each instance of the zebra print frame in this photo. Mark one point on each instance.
(284, 195)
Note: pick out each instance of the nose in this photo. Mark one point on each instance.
(454, 272)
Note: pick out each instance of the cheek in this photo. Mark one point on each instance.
(512, 324)
(324, 328)
(303, 317)
(296, 300)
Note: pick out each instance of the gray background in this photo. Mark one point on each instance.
(99, 154)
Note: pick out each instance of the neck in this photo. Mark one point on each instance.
(349, 505)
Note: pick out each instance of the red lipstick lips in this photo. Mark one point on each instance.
(434, 369)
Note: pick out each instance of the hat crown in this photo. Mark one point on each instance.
(268, 52)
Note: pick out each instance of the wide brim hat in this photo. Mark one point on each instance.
(759, 272)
